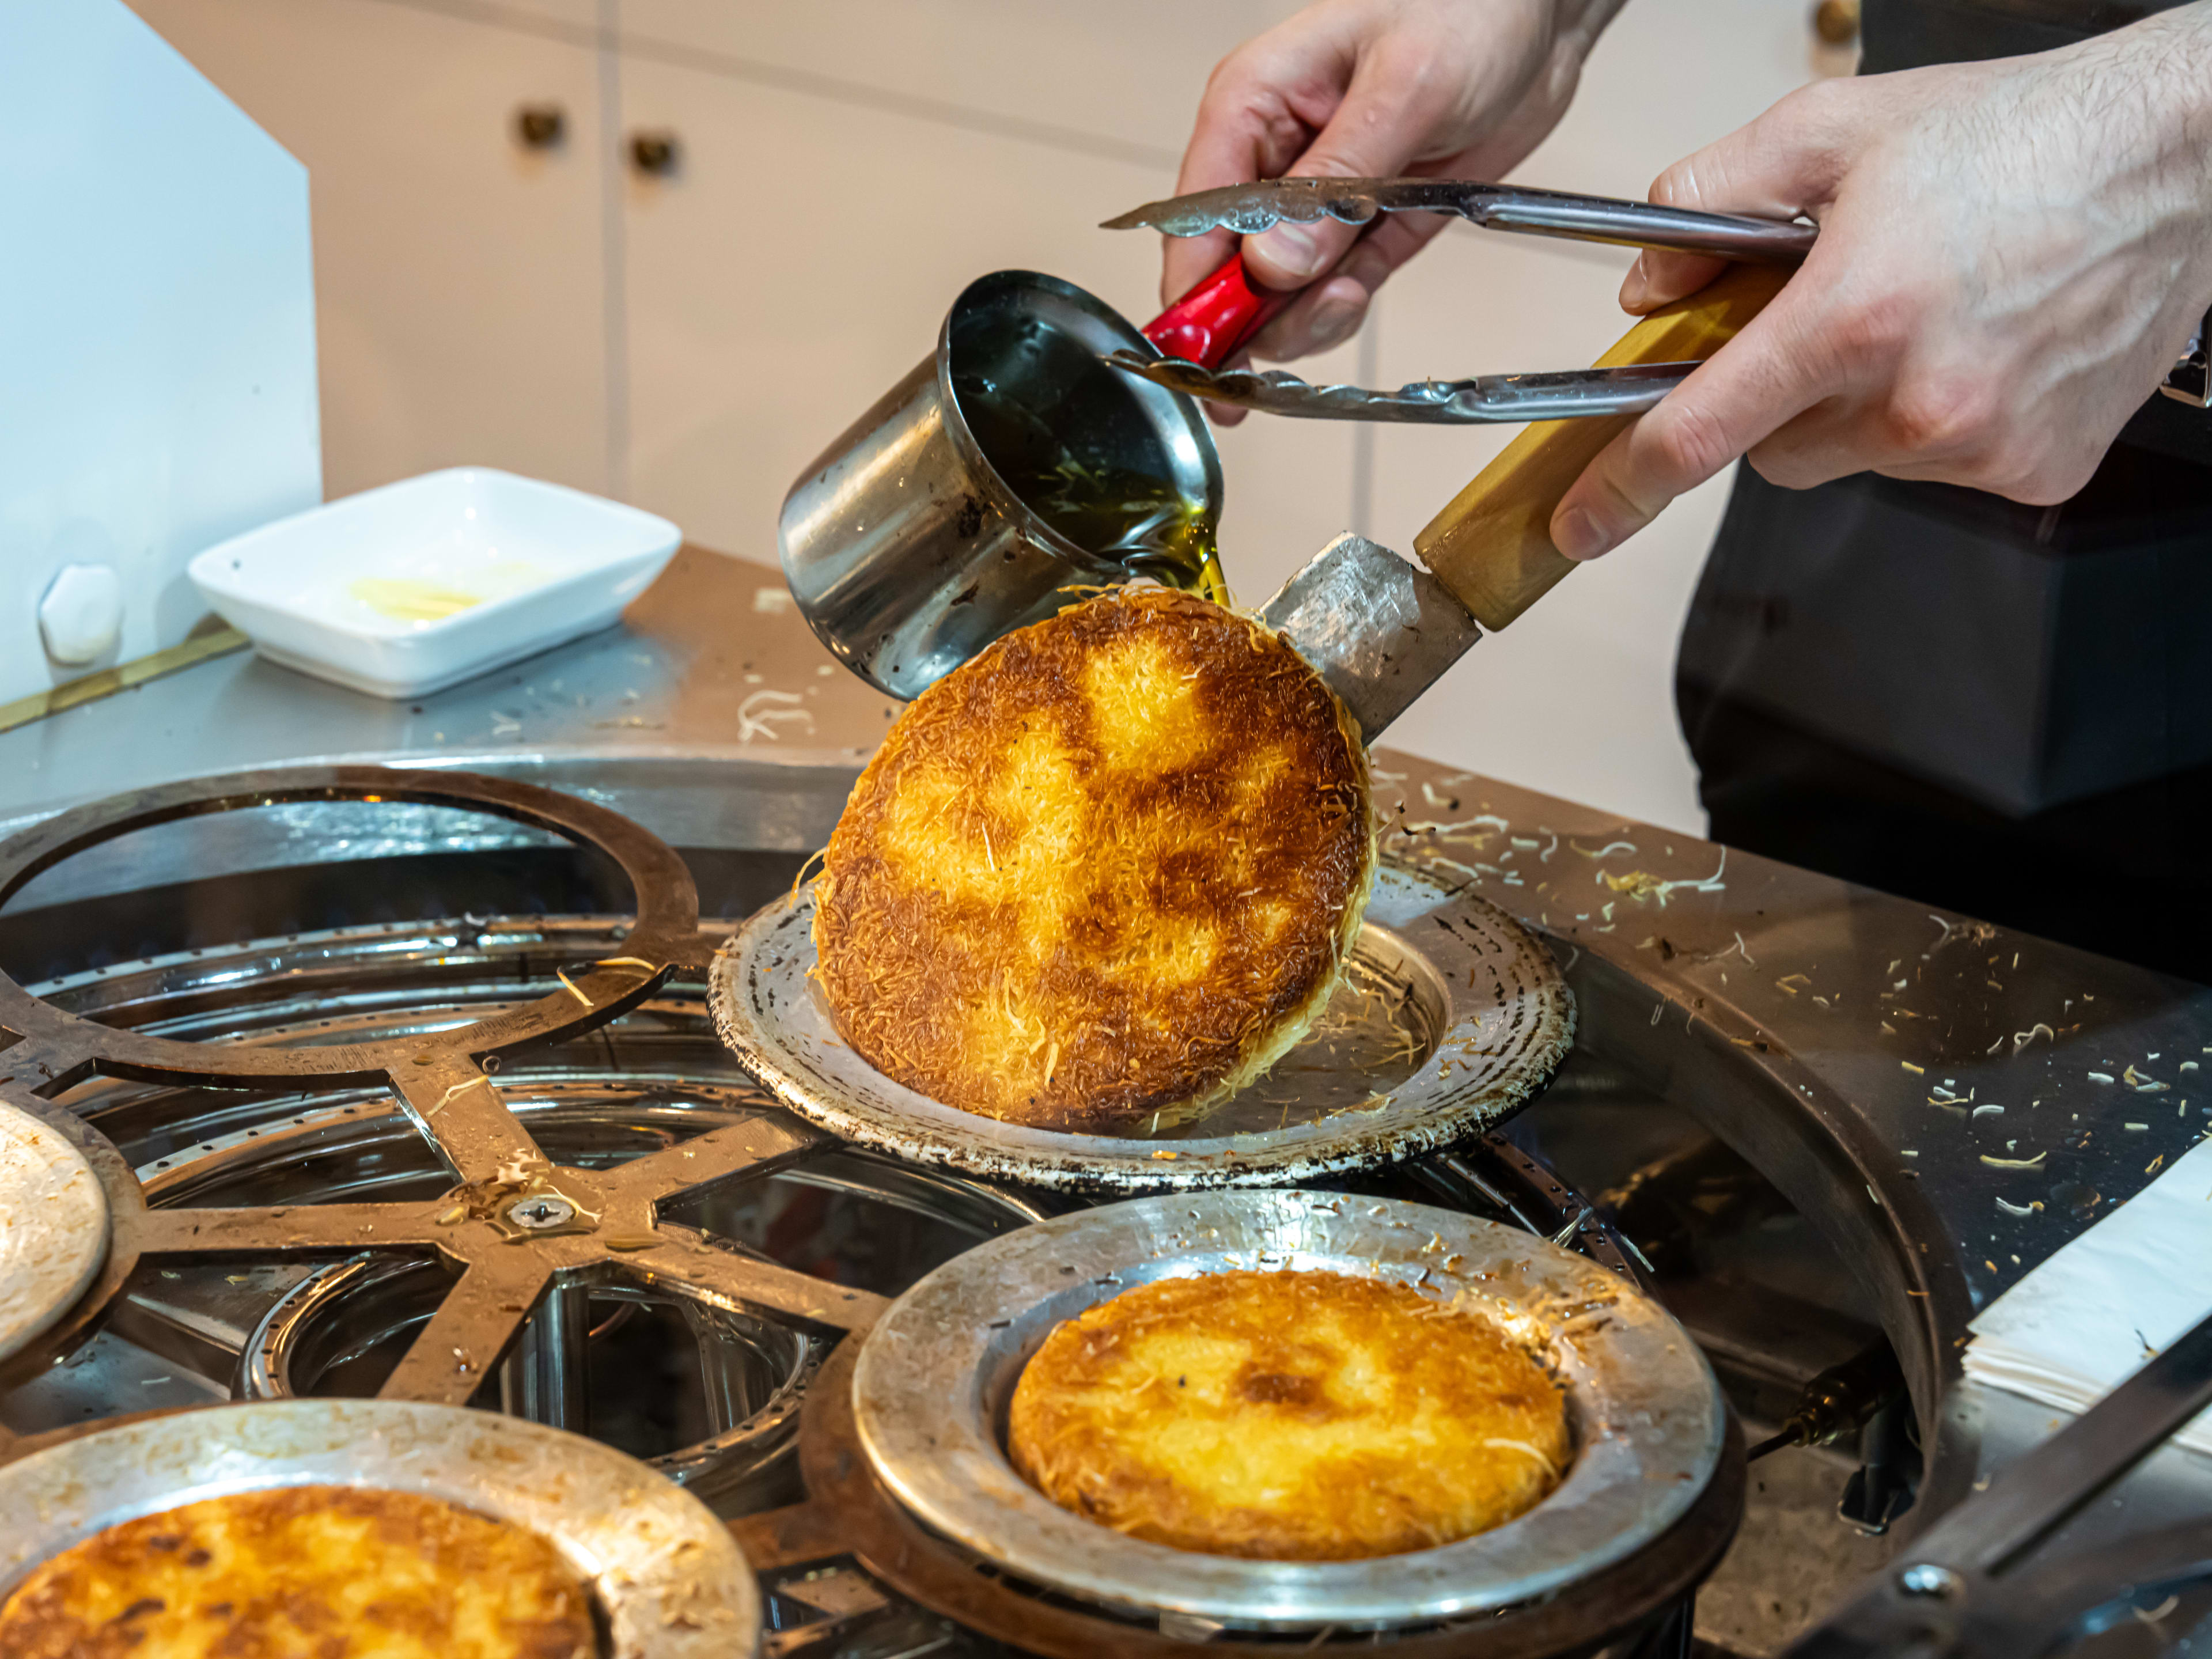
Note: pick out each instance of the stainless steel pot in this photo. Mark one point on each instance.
(910, 542)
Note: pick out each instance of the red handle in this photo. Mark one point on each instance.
(1208, 324)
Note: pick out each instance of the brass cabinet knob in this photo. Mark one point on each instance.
(654, 152)
(1836, 22)
(540, 127)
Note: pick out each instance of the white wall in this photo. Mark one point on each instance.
(157, 365)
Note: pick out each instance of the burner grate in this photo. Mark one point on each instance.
(284, 1130)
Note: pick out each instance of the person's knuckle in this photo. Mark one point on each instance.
(1329, 163)
(1230, 77)
(1784, 466)
(1865, 334)
(1808, 104)
(1942, 411)
(1678, 186)
(2038, 477)
(1691, 441)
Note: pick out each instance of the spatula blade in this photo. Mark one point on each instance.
(1380, 631)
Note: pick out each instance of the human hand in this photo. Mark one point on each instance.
(2012, 254)
(1372, 89)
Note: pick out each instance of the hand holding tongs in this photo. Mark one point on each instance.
(1222, 311)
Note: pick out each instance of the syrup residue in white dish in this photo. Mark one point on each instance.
(421, 601)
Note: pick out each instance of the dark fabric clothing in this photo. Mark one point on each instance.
(2127, 874)
(2005, 710)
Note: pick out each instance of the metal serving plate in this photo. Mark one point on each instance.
(935, 1374)
(1451, 1017)
(53, 1227)
(670, 1581)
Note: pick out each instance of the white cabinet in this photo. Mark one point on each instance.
(1120, 80)
(459, 275)
(817, 225)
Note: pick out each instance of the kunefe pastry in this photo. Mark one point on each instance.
(1110, 867)
(1288, 1417)
(334, 1572)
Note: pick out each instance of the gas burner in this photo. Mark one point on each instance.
(503, 1161)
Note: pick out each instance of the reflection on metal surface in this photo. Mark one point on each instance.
(668, 1579)
(755, 1371)
(935, 1372)
(1379, 630)
(1484, 1019)
(1479, 400)
(919, 537)
(210, 639)
(1250, 208)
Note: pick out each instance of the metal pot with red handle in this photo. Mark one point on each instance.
(938, 520)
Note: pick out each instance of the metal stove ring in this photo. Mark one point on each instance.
(849, 1510)
(935, 1372)
(741, 1454)
(53, 1226)
(125, 1217)
(61, 1045)
(1501, 1015)
(669, 1581)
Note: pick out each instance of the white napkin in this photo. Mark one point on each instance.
(2092, 1315)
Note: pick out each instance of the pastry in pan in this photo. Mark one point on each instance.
(1288, 1417)
(1102, 874)
(304, 1570)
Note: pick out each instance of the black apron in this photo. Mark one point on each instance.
(2005, 710)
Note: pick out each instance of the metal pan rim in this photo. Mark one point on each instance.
(668, 1577)
(1508, 1021)
(54, 1228)
(933, 1374)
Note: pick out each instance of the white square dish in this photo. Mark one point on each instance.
(408, 588)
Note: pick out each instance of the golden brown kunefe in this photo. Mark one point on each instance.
(1288, 1417)
(1108, 867)
(304, 1569)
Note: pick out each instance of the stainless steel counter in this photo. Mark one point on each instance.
(712, 658)
(1851, 1045)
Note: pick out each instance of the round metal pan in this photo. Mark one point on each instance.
(53, 1227)
(669, 1579)
(1451, 1017)
(935, 1373)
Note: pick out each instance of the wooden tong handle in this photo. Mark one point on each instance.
(1493, 545)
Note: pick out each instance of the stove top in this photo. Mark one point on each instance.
(312, 1081)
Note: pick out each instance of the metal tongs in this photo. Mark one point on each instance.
(1629, 389)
